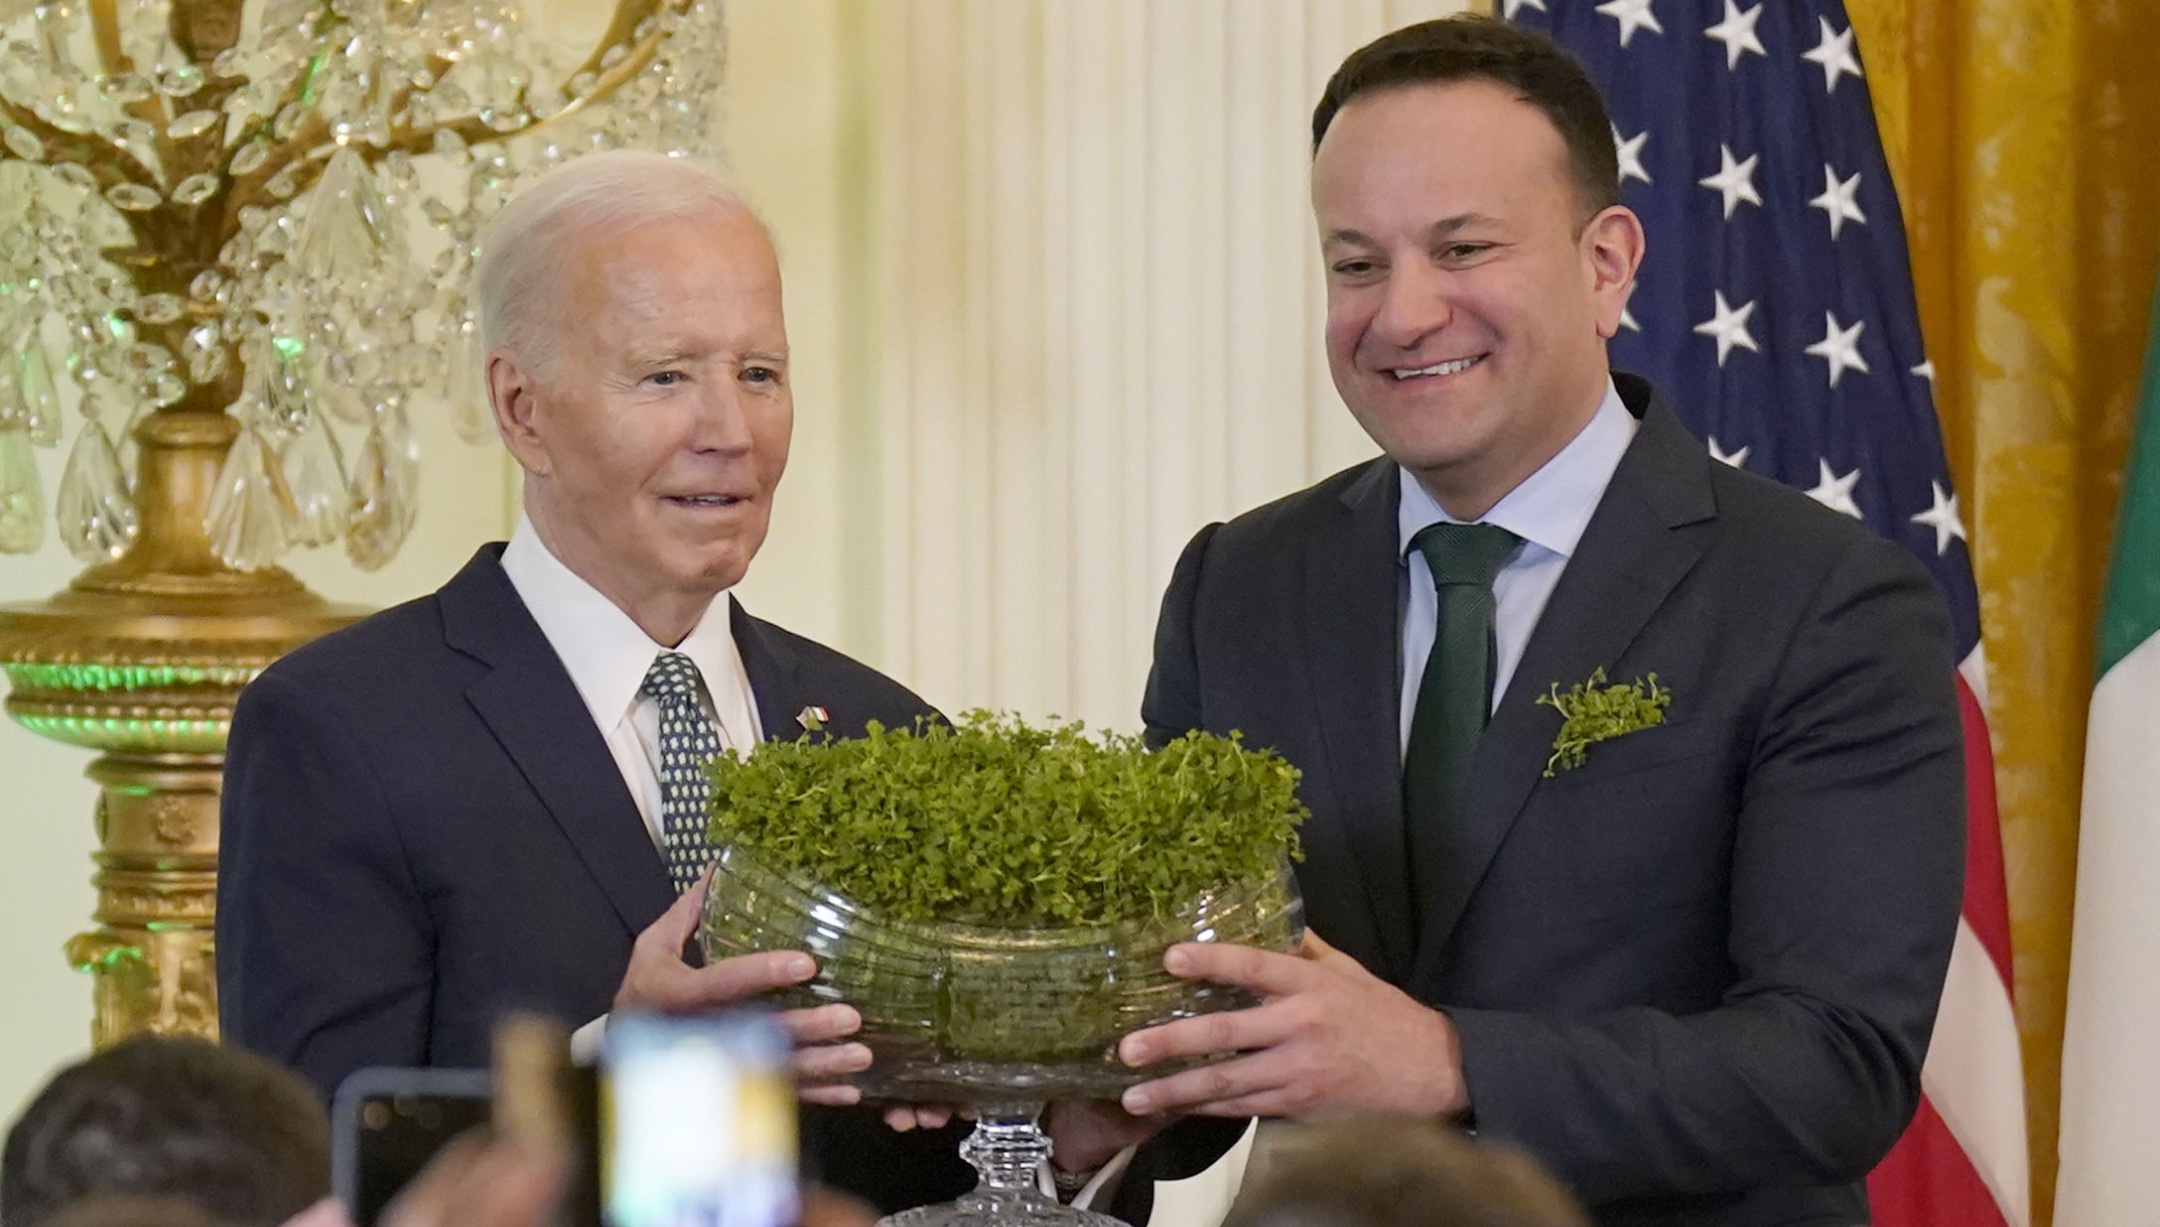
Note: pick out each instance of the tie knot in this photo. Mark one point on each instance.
(672, 678)
(1465, 553)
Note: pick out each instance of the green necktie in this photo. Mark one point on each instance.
(1455, 696)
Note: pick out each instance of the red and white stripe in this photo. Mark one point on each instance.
(1963, 1161)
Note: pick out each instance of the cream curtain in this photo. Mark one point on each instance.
(1096, 301)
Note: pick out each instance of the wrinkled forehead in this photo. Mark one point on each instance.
(717, 266)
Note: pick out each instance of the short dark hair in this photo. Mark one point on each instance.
(169, 1116)
(1473, 46)
(1397, 1173)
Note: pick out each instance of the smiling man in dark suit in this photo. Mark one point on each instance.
(488, 797)
(1694, 974)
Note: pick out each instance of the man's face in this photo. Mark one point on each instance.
(1468, 305)
(655, 430)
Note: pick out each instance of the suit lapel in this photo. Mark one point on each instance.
(1351, 599)
(529, 703)
(1630, 557)
(773, 670)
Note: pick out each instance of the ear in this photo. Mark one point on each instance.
(513, 395)
(1612, 248)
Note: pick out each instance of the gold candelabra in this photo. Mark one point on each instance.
(247, 227)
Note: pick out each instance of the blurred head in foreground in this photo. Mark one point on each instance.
(234, 1134)
(1395, 1173)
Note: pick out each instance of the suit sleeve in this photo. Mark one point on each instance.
(1847, 869)
(1171, 706)
(324, 949)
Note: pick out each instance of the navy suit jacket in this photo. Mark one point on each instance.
(422, 827)
(1695, 976)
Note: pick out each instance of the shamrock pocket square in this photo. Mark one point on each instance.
(1595, 710)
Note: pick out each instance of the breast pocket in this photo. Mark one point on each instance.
(1646, 821)
(1616, 758)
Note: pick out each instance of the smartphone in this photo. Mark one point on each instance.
(696, 1122)
(387, 1123)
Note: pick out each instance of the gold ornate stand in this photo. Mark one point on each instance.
(142, 659)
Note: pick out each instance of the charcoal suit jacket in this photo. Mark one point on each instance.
(423, 827)
(1695, 975)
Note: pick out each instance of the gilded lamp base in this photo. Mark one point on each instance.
(142, 660)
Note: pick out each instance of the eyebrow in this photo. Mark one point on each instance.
(666, 356)
(1446, 227)
(669, 354)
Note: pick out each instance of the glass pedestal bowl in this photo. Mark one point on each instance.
(999, 1020)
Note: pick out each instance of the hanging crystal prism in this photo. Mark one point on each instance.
(285, 391)
(315, 473)
(98, 403)
(385, 492)
(22, 495)
(96, 517)
(14, 411)
(349, 227)
(463, 386)
(34, 383)
(251, 509)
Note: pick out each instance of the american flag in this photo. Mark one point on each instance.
(1775, 310)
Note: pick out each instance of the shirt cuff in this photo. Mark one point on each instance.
(585, 1042)
(1102, 1185)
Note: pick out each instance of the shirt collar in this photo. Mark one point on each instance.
(606, 653)
(1551, 507)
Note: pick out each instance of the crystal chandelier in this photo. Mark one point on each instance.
(268, 209)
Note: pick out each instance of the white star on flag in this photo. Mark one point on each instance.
(1834, 53)
(1729, 327)
(1943, 518)
(1838, 201)
(1627, 320)
(1632, 15)
(1737, 32)
(1926, 369)
(1629, 149)
(1737, 459)
(1839, 348)
(1512, 7)
(1735, 180)
(1835, 492)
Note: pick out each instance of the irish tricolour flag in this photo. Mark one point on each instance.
(2111, 1045)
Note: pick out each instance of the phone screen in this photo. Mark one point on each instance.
(387, 1124)
(697, 1122)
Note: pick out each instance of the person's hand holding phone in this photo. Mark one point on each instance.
(659, 980)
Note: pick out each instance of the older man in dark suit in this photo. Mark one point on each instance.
(488, 797)
(1695, 970)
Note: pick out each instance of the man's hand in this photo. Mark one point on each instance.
(906, 1117)
(658, 979)
(1329, 1039)
(1087, 1133)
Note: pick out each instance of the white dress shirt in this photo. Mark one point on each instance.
(1549, 511)
(607, 655)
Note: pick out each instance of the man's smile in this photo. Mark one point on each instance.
(706, 500)
(1453, 366)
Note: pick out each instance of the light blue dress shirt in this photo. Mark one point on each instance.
(1549, 511)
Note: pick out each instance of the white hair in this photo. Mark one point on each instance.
(525, 252)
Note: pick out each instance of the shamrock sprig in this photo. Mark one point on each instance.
(996, 822)
(1595, 711)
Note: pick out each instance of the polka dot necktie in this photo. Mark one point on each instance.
(687, 739)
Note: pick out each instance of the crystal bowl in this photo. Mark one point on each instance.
(958, 1013)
